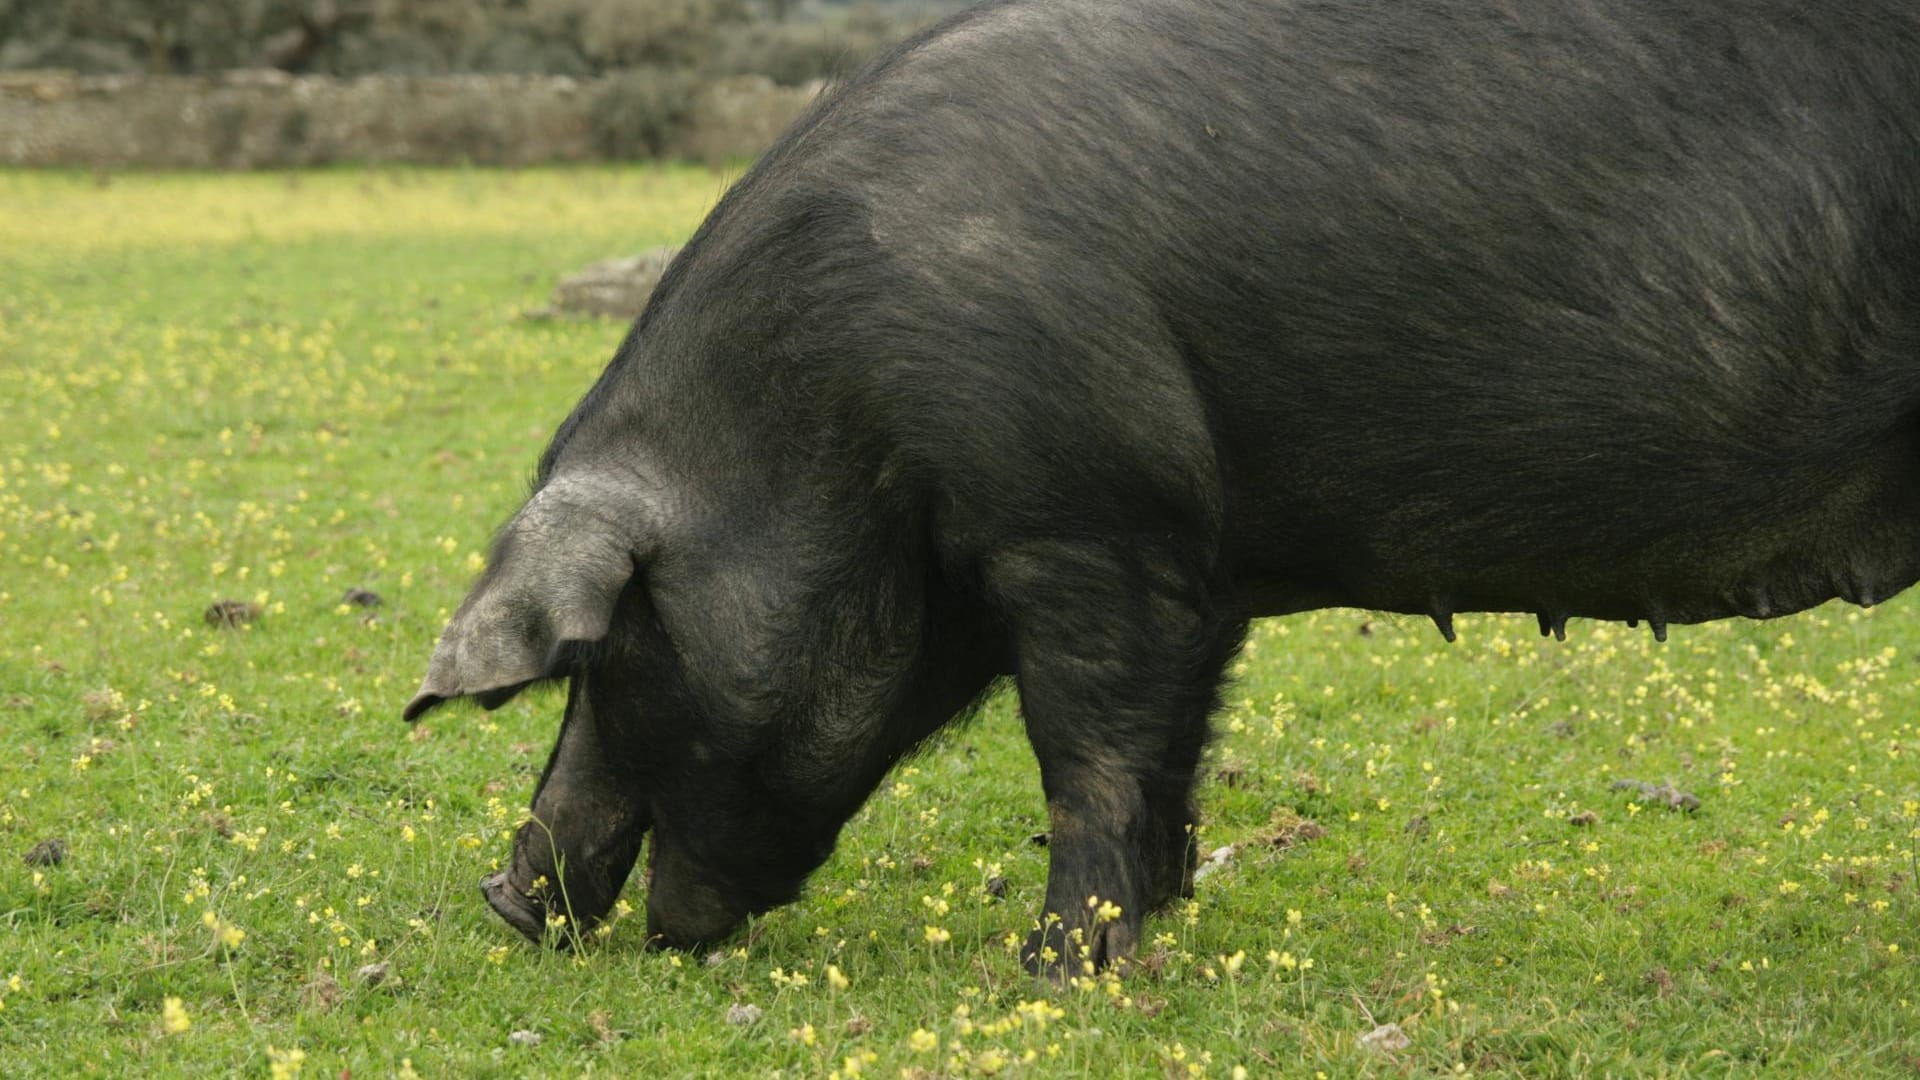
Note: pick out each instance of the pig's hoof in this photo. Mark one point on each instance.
(1057, 955)
(520, 911)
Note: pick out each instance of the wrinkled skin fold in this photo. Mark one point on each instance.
(1068, 337)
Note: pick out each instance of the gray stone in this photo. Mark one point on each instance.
(615, 288)
(1386, 1038)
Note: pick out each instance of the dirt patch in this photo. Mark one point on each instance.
(49, 852)
(229, 614)
(1289, 829)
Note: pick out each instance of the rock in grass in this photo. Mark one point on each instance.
(1215, 861)
(373, 974)
(743, 1015)
(49, 852)
(1665, 794)
(359, 597)
(616, 288)
(524, 1038)
(1385, 1039)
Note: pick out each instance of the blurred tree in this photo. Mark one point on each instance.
(308, 31)
(790, 38)
(22, 20)
(519, 48)
(631, 33)
(157, 35)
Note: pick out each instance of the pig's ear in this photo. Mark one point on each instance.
(556, 572)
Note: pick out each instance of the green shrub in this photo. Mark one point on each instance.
(642, 111)
(795, 53)
(515, 50)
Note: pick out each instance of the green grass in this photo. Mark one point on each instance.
(273, 389)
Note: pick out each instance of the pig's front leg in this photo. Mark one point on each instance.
(1119, 656)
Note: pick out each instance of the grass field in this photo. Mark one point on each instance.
(275, 389)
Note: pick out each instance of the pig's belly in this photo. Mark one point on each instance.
(1631, 549)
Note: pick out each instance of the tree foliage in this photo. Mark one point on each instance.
(578, 37)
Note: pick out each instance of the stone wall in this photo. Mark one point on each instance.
(269, 119)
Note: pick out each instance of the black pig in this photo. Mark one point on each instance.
(1069, 336)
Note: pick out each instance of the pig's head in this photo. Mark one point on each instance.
(727, 693)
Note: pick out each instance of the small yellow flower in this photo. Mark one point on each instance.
(835, 979)
(285, 1064)
(173, 1016)
(937, 936)
(923, 1041)
(223, 931)
(1039, 1012)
